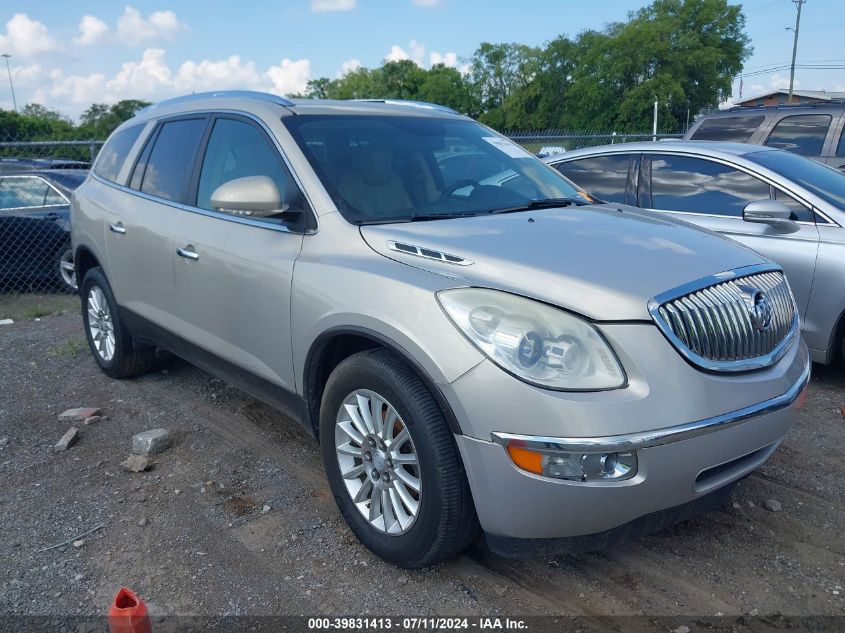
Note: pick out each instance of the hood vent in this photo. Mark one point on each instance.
(428, 253)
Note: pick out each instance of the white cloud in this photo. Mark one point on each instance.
(145, 78)
(153, 79)
(26, 37)
(325, 6)
(91, 30)
(348, 66)
(415, 52)
(447, 59)
(232, 72)
(133, 28)
(290, 76)
(425, 3)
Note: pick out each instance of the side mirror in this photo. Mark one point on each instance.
(772, 212)
(251, 196)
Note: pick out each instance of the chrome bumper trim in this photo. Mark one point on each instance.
(646, 439)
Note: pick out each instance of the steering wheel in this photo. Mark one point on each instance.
(460, 184)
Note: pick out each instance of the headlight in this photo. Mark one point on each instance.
(541, 345)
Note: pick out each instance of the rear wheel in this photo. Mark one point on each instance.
(109, 340)
(65, 269)
(392, 464)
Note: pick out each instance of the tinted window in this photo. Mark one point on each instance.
(114, 152)
(27, 192)
(605, 177)
(802, 134)
(728, 128)
(800, 213)
(172, 158)
(237, 149)
(840, 151)
(826, 182)
(695, 185)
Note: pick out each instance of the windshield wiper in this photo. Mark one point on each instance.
(424, 217)
(546, 203)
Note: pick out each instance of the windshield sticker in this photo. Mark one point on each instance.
(508, 147)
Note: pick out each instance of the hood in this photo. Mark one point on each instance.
(604, 262)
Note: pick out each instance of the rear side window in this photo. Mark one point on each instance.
(171, 160)
(604, 177)
(237, 149)
(801, 134)
(114, 153)
(728, 128)
(695, 185)
(840, 151)
(24, 192)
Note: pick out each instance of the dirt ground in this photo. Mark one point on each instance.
(236, 518)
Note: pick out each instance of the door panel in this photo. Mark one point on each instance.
(712, 195)
(234, 293)
(233, 273)
(141, 226)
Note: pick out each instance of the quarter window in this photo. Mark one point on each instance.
(728, 128)
(801, 134)
(604, 177)
(695, 185)
(237, 149)
(27, 193)
(172, 158)
(114, 153)
(840, 151)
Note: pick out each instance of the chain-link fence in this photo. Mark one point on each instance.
(37, 179)
(553, 141)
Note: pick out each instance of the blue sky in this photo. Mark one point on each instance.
(67, 55)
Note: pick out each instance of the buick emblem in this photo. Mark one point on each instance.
(761, 311)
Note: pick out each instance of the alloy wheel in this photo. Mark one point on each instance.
(100, 325)
(378, 462)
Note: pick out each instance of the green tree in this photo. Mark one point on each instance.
(683, 52)
(100, 120)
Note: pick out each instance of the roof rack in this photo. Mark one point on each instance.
(786, 106)
(224, 94)
(413, 104)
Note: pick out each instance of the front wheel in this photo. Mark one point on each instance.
(392, 464)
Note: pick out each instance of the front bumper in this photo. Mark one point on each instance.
(678, 464)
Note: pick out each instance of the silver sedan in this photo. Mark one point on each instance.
(784, 206)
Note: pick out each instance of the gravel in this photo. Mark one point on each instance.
(213, 550)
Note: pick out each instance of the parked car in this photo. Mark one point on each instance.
(503, 355)
(35, 228)
(550, 150)
(814, 131)
(788, 208)
(27, 164)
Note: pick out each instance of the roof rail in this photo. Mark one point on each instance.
(413, 104)
(786, 106)
(224, 94)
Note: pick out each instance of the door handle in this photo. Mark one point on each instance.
(187, 254)
(117, 228)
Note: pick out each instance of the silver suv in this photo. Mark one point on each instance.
(472, 343)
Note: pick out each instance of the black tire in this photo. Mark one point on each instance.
(446, 522)
(128, 359)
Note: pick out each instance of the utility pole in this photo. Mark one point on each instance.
(799, 4)
(654, 123)
(11, 85)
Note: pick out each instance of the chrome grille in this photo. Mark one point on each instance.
(735, 324)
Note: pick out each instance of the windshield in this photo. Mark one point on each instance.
(402, 168)
(826, 182)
